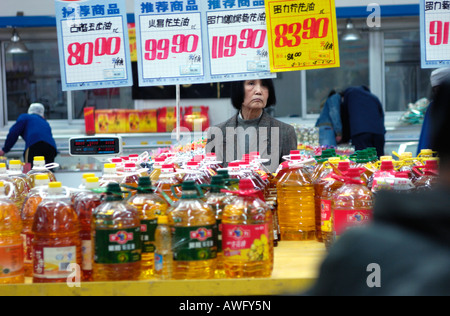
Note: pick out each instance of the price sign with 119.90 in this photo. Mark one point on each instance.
(302, 35)
(93, 46)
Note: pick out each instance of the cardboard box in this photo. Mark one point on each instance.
(89, 120)
(148, 123)
(111, 121)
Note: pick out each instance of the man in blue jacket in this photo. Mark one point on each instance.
(37, 134)
(329, 121)
(363, 119)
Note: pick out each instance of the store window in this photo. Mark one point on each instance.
(405, 80)
(354, 71)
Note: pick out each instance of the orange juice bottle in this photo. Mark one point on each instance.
(11, 245)
(84, 205)
(295, 198)
(149, 206)
(116, 238)
(193, 235)
(27, 212)
(352, 203)
(166, 180)
(56, 243)
(39, 168)
(247, 235)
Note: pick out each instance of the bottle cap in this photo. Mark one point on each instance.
(38, 158)
(387, 165)
(344, 165)
(91, 179)
(42, 176)
(55, 184)
(109, 165)
(163, 219)
(246, 184)
(384, 158)
(88, 175)
(334, 160)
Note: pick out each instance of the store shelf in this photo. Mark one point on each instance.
(296, 266)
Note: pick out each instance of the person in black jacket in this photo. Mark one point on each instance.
(405, 251)
(362, 119)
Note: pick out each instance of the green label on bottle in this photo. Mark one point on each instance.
(117, 246)
(148, 228)
(194, 243)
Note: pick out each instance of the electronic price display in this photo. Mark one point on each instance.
(95, 146)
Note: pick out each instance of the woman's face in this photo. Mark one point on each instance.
(256, 95)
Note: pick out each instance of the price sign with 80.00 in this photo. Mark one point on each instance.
(302, 35)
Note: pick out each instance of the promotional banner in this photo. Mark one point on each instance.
(93, 44)
(434, 30)
(302, 35)
(194, 41)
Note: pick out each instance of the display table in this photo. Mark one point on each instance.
(296, 266)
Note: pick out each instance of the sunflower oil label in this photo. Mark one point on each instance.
(117, 246)
(148, 228)
(345, 219)
(52, 262)
(11, 261)
(325, 213)
(246, 243)
(194, 243)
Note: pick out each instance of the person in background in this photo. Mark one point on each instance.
(405, 250)
(437, 77)
(363, 119)
(329, 121)
(37, 134)
(251, 128)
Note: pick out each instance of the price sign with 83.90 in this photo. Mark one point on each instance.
(302, 35)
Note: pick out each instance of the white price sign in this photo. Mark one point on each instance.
(435, 31)
(93, 44)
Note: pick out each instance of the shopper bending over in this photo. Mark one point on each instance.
(251, 129)
(37, 134)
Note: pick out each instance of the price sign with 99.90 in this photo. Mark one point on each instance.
(170, 51)
(302, 36)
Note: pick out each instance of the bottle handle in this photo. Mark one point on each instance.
(11, 189)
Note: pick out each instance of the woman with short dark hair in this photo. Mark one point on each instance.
(251, 129)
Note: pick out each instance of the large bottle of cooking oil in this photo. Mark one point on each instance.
(21, 180)
(352, 203)
(166, 180)
(149, 206)
(27, 212)
(130, 176)
(193, 235)
(217, 200)
(295, 198)
(156, 171)
(109, 175)
(116, 237)
(84, 205)
(39, 168)
(56, 243)
(11, 245)
(247, 235)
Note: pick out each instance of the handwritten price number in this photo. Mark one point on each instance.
(226, 46)
(440, 30)
(83, 53)
(312, 28)
(160, 49)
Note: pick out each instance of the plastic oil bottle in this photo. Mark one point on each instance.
(22, 181)
(27, 213)
(11, 245)
(150, 206)
(163, 249)
(295, 199)
(427, 178)
(84, 205)
(352, 203)
(130, 177)
(109, 175)
(157, 164)
(193, 235)
(56, 243)
(116, 238)
(39, 168)
(247, 235)
(166, 180)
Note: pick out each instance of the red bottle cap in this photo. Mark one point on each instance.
(387, 165)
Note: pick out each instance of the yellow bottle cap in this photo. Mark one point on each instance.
(55, 184)
(88, 175)
(92, 179)
(38, 158)
(334, 160)
(42, 176)
(426, 152)
(405, 155)
(2, 184)
(110, 165)
(386, 158)
(2, 165)
(15, 162)
(163, 219)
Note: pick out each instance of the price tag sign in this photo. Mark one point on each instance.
(169, 42)
(237, 41)
(435, 33)
(302, 35)
(93, 44)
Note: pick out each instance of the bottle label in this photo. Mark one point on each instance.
(148, 228)
(52, 262)
(27, 246)
(11, 261)
(86, 252)
(158, 262)
(246, 242)
(325, 213)
(115, 246)
(345, 219)
(194, 243)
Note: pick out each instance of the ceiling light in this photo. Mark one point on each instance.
(16, 46)
(350, 33)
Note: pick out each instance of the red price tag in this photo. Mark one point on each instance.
(439, 32)
(180, 43)
(226, 46)
(84, 53)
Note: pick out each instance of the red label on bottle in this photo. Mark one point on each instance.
(344, 219)
(325, 213)
(245, 242)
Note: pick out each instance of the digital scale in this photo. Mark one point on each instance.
(96, 146)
